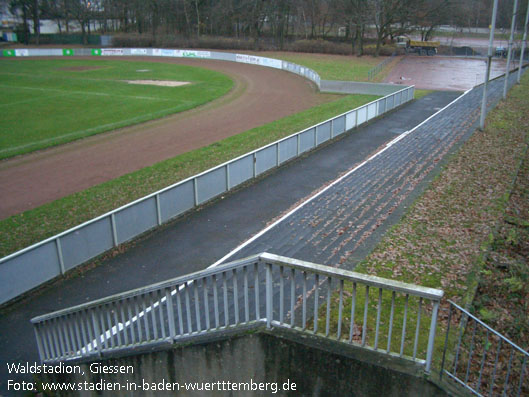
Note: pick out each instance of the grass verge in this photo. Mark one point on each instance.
(502, 298)
(420, 93)
(24, 229)
(330, 67)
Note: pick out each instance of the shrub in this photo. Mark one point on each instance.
(319, 46)
(242, 44)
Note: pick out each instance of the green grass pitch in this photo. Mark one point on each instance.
(51, 102)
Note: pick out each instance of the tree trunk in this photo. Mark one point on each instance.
(83, 31)
(36, 20)
(25, 24)
(361, 41)
(198, 18)
(186, 15)
(354, 38)
(304, 23)
(380, 37)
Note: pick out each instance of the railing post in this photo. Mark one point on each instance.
(59, 255)
(158, 210)
(39, 343)
(114, 229)
(298, 144)
(170, 314)
(431, 337)
(195, 191)
(269, 300)
(446, 340)
(97, 332)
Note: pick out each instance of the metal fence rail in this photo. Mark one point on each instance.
(378, 68)
(480, 359)
(278, 291)
(56, 255)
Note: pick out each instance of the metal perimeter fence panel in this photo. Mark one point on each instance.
(382, 315)
(371, 74)
(56, 255)
(480, 359)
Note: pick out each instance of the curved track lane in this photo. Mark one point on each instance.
(260, 95)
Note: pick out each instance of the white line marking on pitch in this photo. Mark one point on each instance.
(66, 92)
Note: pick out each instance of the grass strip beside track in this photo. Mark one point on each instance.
(440, 242)
(420, 93)
(330, 67)
(50, 102)
(24, 229)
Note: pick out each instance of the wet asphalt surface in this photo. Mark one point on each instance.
(443, 73)
(338, 228)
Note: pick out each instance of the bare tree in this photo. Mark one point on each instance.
(80, 11)
(356, 14)
(24, 8)
(430, 14)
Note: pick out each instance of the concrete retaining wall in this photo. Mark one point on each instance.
(282, 358)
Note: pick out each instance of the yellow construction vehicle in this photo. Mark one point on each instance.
(421, 47)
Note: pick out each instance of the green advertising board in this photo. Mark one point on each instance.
(67, 52)
(96, 51)
(9, 53)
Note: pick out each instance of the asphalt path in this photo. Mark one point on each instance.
(202, 237)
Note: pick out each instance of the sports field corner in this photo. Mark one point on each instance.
(55, 101)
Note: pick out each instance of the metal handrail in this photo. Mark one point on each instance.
(474, 349)
(219, 297)
(373, 281)
(150, 288)
(489, 328)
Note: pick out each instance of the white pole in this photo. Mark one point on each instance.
(489, 61)
(511, 38)
(523, 43)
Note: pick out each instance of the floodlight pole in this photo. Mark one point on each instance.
(511, 39)
(523, 43)
(489, 61)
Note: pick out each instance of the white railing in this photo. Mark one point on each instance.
(266, 288)
(56, 255)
